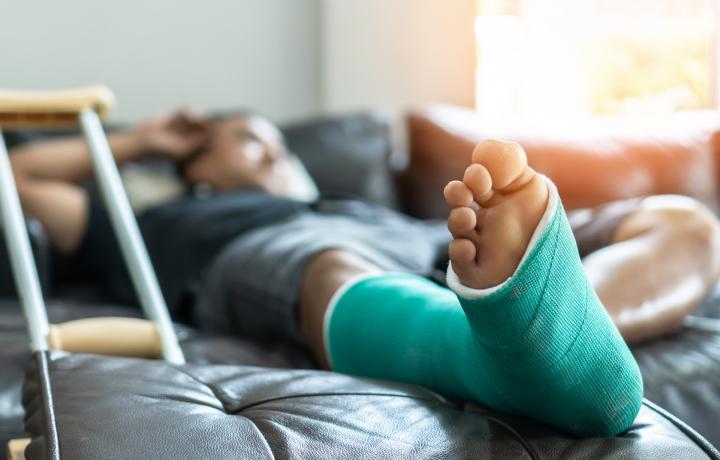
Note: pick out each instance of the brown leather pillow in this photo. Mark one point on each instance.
(592, 162)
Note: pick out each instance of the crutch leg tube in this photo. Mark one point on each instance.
(61, 109)
(21, 258)
(128, 233)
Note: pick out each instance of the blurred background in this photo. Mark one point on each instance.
(509, 59)
(289, 59)
(609, 88)
(608, 57)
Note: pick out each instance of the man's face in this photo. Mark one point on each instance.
(243, 151)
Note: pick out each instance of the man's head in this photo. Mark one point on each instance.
(243, 150)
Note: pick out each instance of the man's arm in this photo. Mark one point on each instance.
(47, 172)
(68, 159)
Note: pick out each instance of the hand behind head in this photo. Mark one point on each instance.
(176, 136)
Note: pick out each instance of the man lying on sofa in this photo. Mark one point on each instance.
(520, 328)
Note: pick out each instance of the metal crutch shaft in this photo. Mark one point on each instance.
(128, 234)
(21, 258)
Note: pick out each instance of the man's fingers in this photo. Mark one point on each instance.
(177, 135)
(187, 120)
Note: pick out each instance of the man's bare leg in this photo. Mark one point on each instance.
(664, 260)
(327, 272)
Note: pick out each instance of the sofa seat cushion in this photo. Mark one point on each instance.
(135, 408)
(199, 348)
(15, 356)
(681, 373)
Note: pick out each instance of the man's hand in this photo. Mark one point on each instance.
(176, 136)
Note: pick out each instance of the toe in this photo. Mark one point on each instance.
(506, 161)
(478, 180)
(462, 253)
(457, 194)
(462, 221)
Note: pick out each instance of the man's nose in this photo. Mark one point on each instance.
(272, 153)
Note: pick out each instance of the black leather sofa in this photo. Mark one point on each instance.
(242, 399)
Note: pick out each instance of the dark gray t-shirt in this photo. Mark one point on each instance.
(182, 238)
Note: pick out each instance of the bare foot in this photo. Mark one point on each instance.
(496, 208)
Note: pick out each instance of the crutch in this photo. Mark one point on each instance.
(112, 336)
(57, 109)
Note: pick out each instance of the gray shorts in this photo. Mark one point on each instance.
(252, 286)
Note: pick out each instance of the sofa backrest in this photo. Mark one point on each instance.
(347, 155)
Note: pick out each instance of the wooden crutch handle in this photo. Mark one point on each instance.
(50, 109)
(107, 336)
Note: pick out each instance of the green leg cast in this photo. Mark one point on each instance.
(540, 344)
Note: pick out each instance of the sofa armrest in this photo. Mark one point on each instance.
(592, 161)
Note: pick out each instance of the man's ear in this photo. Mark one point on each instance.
(192, 168)
(192, 156)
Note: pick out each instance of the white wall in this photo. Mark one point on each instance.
(397, 53)
(287, 58)
(159, 54)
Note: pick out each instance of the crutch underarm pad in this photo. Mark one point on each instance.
(52, 108)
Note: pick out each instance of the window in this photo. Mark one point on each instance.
(564, 58)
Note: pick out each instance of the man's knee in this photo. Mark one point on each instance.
(673, 216)
(326, 273)
(338, 264)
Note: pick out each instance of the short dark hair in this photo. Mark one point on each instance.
(226, 114)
